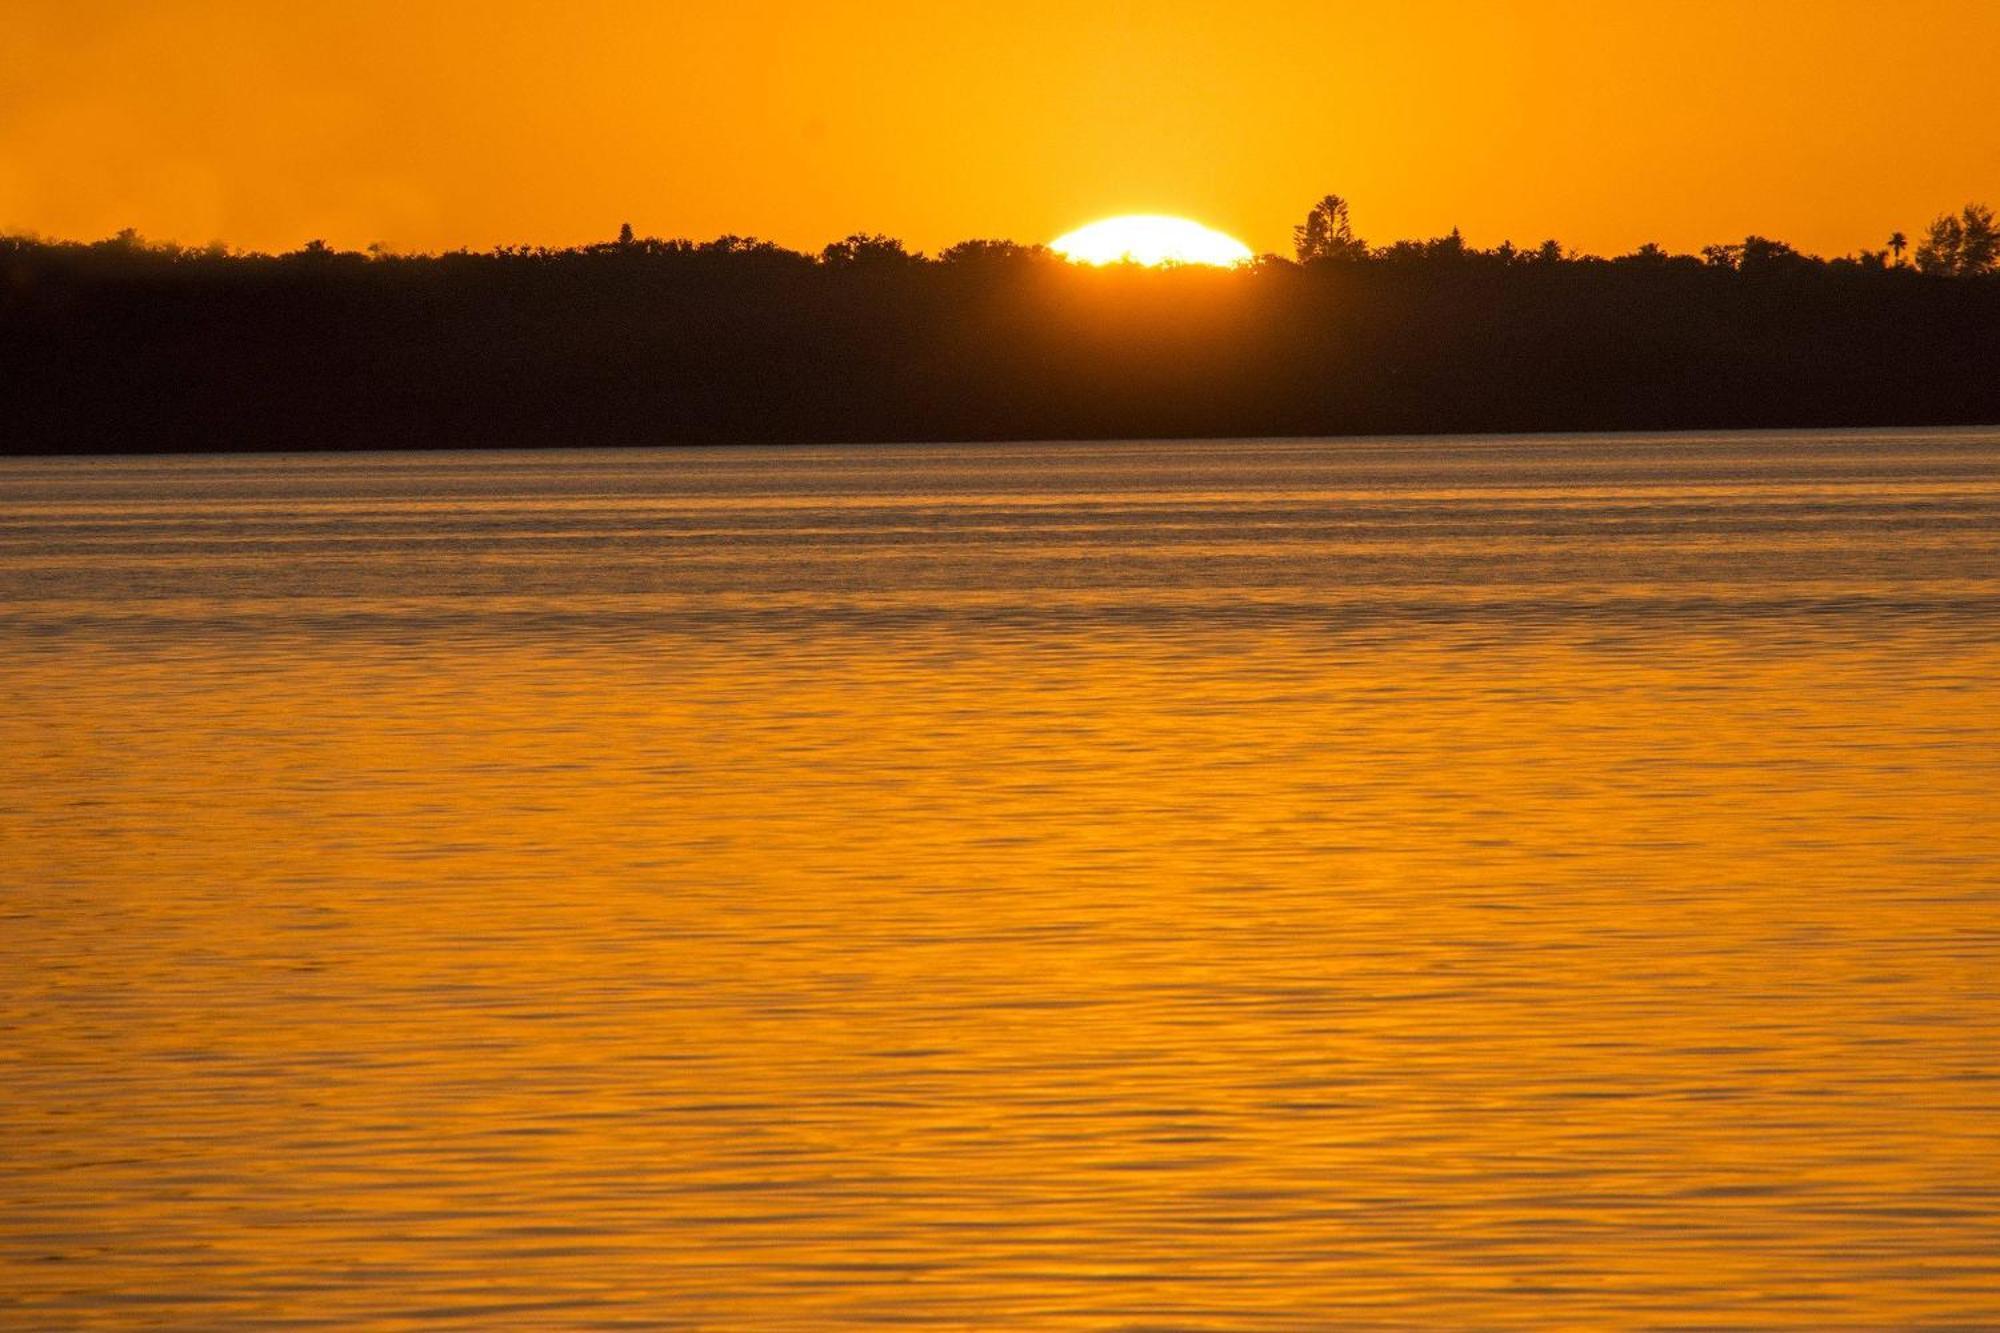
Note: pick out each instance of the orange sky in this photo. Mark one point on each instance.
(425, 125)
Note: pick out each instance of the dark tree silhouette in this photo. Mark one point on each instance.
(118, 346)
(995, 252)
(1328, 233)
(1965, 245)
(1759, 254)
(749, 245)
(1897, 244)
(1979, 253)
(863, 248)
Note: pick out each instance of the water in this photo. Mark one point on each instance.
(1482, 883)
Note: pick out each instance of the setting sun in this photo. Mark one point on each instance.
(1145, 238)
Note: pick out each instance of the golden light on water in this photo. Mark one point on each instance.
(1151, 239)
(1544, 885)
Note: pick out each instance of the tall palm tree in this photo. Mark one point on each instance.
(1898, 243)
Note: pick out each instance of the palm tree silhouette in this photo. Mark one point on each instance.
(1898, 243)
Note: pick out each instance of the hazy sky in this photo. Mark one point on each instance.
(424, 125)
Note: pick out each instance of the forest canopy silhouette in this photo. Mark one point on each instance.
(120, 346)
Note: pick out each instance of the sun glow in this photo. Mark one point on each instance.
(1151, 239)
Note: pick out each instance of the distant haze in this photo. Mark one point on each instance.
(433, 125)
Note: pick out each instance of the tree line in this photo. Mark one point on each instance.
(1962, 244)
(1965, 244)
(122, 346)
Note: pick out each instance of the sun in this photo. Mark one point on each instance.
(1152, 239)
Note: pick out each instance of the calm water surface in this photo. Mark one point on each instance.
(1478, 883)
